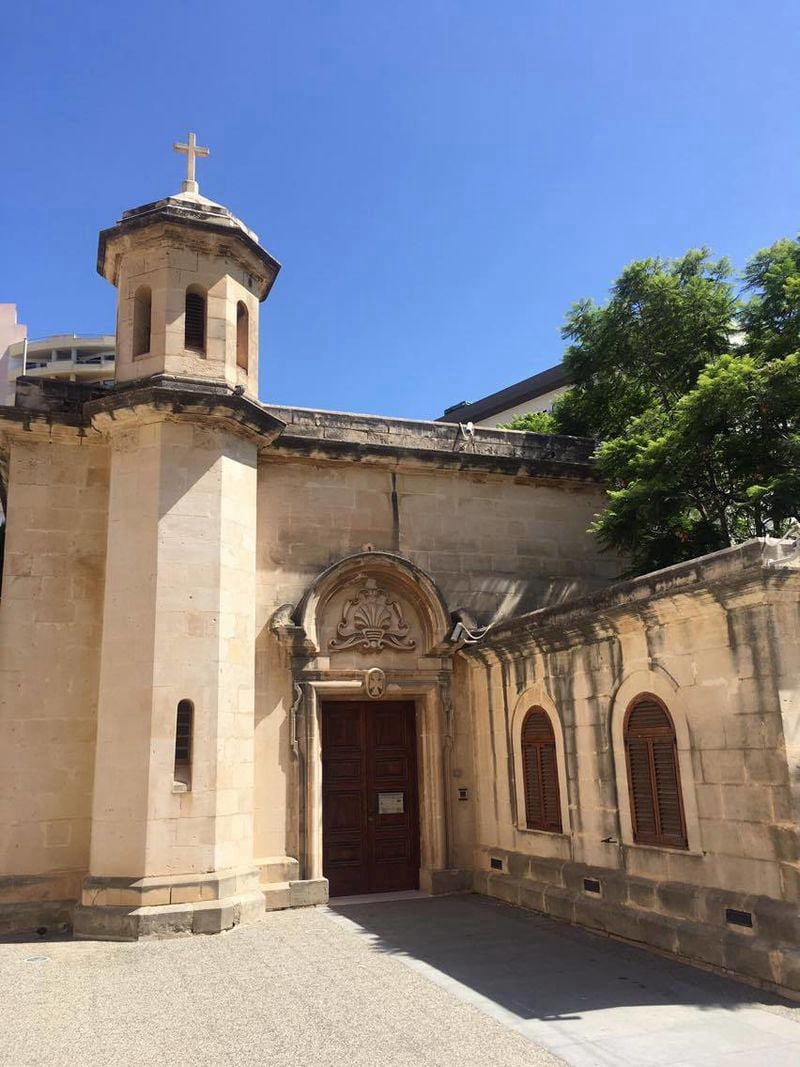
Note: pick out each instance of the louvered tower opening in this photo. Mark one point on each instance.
(195, 321)
(653, 776)
(540, 773)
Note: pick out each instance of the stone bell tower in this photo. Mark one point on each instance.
(190, 277)
(172, 805)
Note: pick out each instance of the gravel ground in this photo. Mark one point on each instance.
(297, 988)
(422, 980)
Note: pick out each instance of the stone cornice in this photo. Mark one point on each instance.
(203, 217)
(744, 571)
(196, 398)
(302, 433)
(343, 436)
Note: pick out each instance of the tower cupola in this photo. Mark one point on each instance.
(190, 277)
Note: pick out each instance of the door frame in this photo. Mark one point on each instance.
(412, 794)
(433, 719)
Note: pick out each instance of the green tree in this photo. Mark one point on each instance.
(644, 349)
(533, 422)
(696, 400)
(771, 318)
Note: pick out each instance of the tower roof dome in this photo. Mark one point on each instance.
(190, 210)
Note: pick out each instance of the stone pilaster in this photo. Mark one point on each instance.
(178, 624)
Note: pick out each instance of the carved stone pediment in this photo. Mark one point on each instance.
(372, 621)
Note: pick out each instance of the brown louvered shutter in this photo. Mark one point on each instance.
(653, 777)
(195, 322)
(668, 792)
(540, 773)
(643, 804)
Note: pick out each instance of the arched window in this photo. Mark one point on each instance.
(142, 310)
(195, 320)
(654, 781)
(540, 773)
(242, 335)
(184, 730)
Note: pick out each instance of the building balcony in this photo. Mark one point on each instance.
(75, 357)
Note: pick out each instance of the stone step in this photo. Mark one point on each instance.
(302, 893)
(278, 869)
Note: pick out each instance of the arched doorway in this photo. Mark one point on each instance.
(374, 710)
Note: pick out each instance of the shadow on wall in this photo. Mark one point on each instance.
(497, 599)
(534, 966)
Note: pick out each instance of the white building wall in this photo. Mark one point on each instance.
(11, 331)
(537, 403)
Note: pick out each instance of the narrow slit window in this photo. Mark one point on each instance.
(142, 317)
(654, 784)
(242, 335)
(195, 320)
(184, 731)
(540, 773)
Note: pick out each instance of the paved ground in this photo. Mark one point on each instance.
(443, 981)
(585, 998)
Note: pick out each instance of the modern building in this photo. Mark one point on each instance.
(11, 332)
(67, 357)
(536, 393)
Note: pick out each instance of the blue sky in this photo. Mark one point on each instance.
(439, 179)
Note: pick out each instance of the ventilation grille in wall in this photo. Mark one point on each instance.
(496, 864)
(591, 885)
(739, 918)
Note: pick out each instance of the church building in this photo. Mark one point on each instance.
(253, 656)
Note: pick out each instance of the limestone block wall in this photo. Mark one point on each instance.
(50, 624)
(717, 641)
(494, 544)
(168, 262)
(181, 564)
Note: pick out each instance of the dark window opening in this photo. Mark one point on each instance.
(184, 729)
(142, 316)
(195, 321)
(242, 335)
(540, 773)
(651, 754)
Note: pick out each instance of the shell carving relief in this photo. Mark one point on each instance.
(371, 621)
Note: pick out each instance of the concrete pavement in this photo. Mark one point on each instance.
(433, 981)
(587, 999)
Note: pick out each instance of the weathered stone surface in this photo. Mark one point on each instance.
(308, 892)
(446, 881)
(32, 915)
(278, 869)
(673, 634)
(277, 896)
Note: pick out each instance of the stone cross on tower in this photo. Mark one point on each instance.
(192, 150)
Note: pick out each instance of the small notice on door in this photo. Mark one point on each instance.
(390, 804)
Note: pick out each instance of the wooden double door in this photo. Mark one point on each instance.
(370, 810)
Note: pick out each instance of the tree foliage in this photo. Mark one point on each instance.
(694, 395)
(533, 422)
